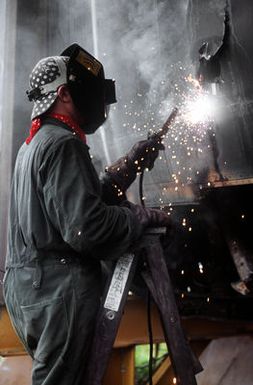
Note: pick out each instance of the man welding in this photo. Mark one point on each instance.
(64, 220)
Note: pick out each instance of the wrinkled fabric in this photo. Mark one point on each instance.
(60, 226)
(57, 202)
(55, 322)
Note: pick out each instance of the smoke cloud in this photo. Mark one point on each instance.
(150, 48)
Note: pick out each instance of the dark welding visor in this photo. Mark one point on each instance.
(90, 91)
(110, 92)
(83, 66)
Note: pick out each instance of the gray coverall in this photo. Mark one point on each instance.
(60, 226)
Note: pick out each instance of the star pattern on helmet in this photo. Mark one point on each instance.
(46, 72)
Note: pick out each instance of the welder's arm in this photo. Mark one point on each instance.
(121, 174)
(73, 201)
(72, 196)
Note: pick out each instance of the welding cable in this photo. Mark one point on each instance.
(141, 197)
(150, 330)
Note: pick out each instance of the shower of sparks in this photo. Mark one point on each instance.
(188, 142)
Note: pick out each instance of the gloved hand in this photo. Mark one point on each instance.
(142, 155)
(149, 217)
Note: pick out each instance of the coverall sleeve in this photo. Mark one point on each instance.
(111, 193)
(72, 195)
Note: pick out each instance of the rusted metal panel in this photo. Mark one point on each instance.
(161, 371)
(133, 327)
(120, 369)
(232, 182)
(132, 330)
(10, 344)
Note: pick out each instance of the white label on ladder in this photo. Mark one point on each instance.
(118, 282)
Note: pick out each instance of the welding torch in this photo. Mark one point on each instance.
(157, 137)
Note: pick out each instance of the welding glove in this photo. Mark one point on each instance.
(149, 217)
(141, 156)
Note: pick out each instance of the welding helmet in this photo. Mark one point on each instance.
(90, 91)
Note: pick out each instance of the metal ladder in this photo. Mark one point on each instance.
(157, 280)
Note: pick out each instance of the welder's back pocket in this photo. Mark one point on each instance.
(45, 328)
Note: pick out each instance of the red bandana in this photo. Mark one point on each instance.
(36, 124)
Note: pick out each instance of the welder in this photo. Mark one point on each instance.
(64, 220)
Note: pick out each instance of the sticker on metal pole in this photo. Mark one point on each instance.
(118, 282)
